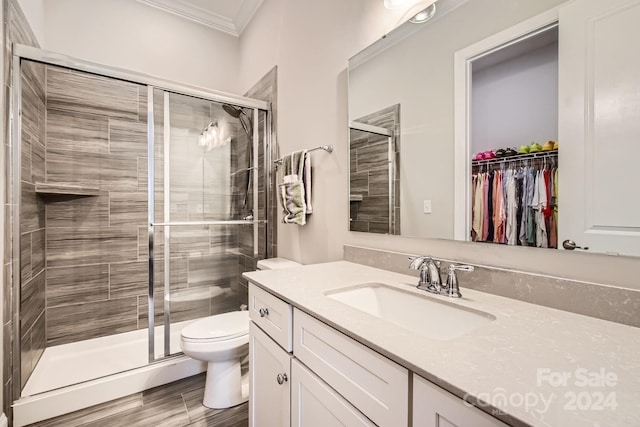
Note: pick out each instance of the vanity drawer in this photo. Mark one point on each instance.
(375, 385)
(273, 315)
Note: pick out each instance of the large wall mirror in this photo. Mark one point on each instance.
(484, 75)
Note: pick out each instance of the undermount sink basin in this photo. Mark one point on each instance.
(421, 314)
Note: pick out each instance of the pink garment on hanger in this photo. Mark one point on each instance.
(485, 210)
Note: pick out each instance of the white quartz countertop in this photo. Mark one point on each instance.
(532, 365)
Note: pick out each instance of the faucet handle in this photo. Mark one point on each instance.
(452, 289)
(418, 261)
(461, 267)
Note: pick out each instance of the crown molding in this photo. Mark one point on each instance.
(232, 26)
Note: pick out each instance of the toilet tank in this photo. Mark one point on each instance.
(276, 263)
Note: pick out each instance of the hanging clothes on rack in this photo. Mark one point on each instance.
(515, 202)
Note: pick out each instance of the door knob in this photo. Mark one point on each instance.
(282, 378)
(571, 245)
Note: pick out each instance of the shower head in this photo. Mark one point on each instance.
(238, 113)
(232, 111)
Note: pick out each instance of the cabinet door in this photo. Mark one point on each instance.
(599, 130)
(435, 407)
(369, 381)
(315, 404)
(269, 401)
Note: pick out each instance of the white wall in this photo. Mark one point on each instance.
(310, 42)
(134, 36)
(516, 101)
(34, 12)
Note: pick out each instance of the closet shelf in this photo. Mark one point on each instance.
(539, 155)
(65, 189)
(518, 157)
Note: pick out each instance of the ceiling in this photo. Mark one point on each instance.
(229, 16)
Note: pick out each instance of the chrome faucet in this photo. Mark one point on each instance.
(430, 279)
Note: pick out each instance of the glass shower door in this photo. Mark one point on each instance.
(204, 229)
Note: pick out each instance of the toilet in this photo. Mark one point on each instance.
(222, 341)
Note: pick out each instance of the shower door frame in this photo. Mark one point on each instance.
(22, 52)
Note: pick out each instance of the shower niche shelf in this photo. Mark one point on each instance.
(45, 189)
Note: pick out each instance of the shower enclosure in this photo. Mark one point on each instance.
(140, 203)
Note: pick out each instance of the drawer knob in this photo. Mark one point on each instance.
(282, 378)
(263, 312)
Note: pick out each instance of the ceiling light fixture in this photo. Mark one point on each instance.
(424, 15)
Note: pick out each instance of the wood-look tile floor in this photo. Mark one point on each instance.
(177, 404)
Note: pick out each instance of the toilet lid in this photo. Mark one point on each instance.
(218, 327)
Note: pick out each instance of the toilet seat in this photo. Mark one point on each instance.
(221, 327)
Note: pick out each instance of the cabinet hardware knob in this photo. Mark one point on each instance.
(263, 312)
(282, 378)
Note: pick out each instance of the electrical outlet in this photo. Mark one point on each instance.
(427, 206)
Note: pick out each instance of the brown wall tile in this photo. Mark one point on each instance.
(127, 208)
(90, 211)
(128, 137)
(73, 285)
(129, 279)
(32, 302)
(212, 270)
(68, 130)
(113, 172)
(67, 246)
(87, 93)
(98, 319)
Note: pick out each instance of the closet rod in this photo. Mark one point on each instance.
(327, 148)
(517, 157)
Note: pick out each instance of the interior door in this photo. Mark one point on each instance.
(599, 126)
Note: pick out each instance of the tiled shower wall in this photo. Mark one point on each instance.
(96, 138)
(15, 30)
(32, 220)
(97, 246)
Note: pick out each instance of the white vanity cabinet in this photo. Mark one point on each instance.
(284, 392)
(435, 407)
(318, 377)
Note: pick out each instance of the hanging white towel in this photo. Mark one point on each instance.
(292, 191)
